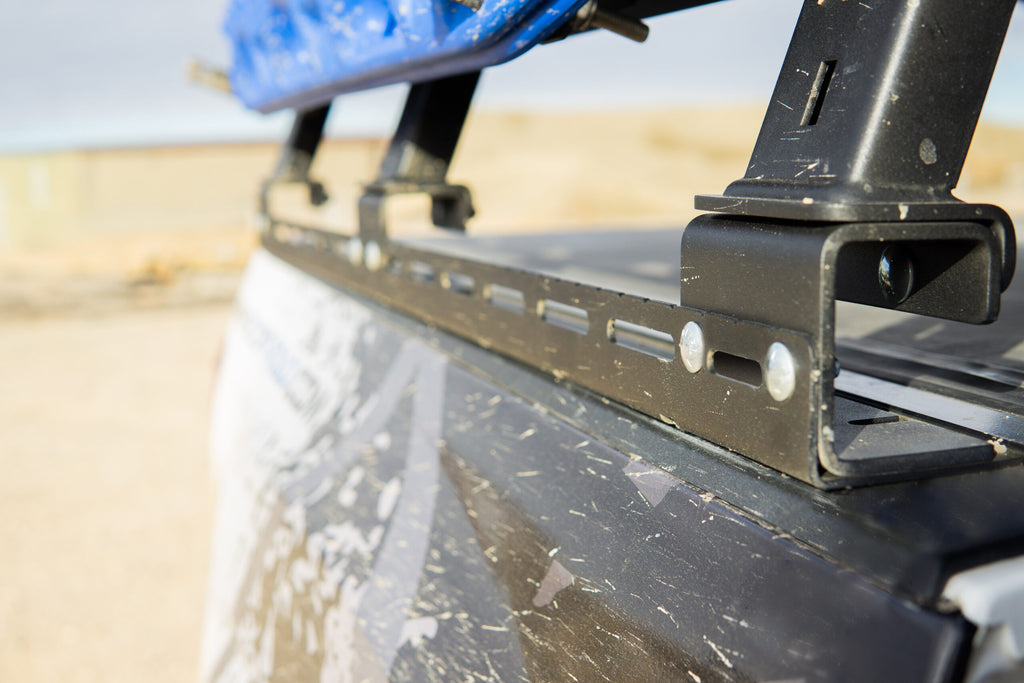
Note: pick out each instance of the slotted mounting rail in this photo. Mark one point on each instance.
(847, 196)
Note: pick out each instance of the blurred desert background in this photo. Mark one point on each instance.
(117, 270)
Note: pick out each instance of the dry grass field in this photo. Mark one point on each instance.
(115, 285)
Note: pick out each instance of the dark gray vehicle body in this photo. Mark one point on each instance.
(400, 504)
(463, 459)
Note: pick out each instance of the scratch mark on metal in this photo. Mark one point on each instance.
(718, 651)
(734, 620)
(488, 627)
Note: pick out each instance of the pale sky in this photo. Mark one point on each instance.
(112, 73)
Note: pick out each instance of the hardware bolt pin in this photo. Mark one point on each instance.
(896, 275)
(780, 371)
(354, 251)
(373, 257)
(691, 347)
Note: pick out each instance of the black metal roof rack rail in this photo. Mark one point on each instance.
(847, 196)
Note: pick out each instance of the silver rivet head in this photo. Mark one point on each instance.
(354, 251)
(780, 371)
(373, 257)
(691, 347)
(896, 275)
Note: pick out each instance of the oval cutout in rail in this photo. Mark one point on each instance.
(460, 283)
(572, 318)
(421, 272)
(736, 368)
(505, 298)
(643, 339)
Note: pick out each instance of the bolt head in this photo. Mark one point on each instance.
(691, 347)
(780, 371)
(373, 257)
(354, 251)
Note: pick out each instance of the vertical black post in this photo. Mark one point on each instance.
(876, 103)
(424, 142)
(297, 155)
(419, 154)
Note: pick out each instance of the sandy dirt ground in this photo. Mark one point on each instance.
(105, 500)
(108, 348)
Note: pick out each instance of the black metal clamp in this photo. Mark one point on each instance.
(297, 157)
(419, 154)
(848, 196)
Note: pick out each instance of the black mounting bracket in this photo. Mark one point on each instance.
(419, 155)
(763, 294)
(297, 157)
(848, 196)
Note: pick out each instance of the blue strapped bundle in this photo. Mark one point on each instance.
(301, 53)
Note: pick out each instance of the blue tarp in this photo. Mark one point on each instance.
(299, 53)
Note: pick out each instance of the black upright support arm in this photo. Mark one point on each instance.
(419, 154)
(874, 108)
(432, 119)
(298, 153)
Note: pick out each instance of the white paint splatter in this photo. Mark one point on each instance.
(381, 441)
(928, 152)
(415, 631)
(734, 620)
(557, 578)
(347, 493)
(652, 483)
(301, 573)
(340, 632)
(718, 651)
(312, 644)
(388, 498)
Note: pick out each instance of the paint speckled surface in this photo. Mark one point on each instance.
(388, 514)
(303, 52)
